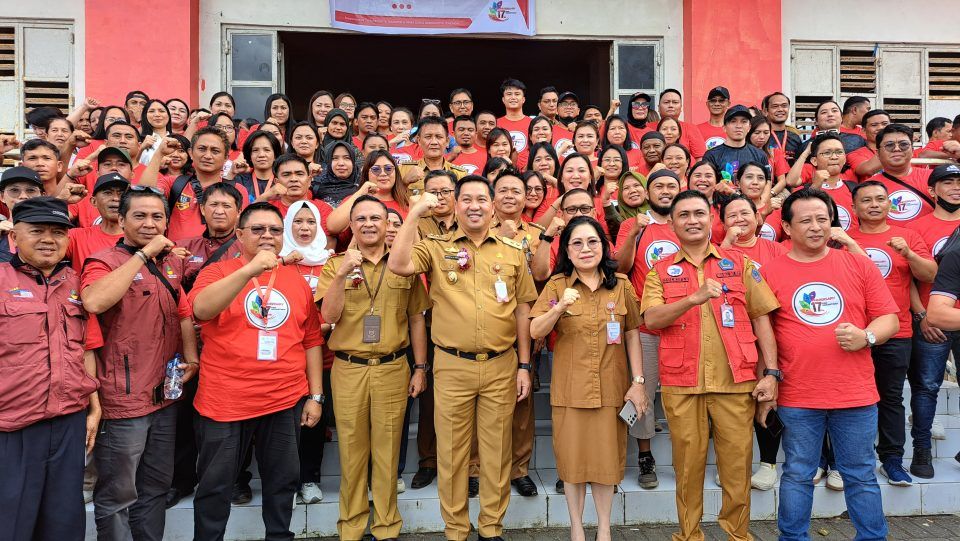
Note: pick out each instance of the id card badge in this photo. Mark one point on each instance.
(500, 288)
(613, 332)
(266, 346)
(371, 329)
(726, 316)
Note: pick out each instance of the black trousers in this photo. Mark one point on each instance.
(185, 454)
(891, 361)
(222, 445)
(312, 439)
(41, 480)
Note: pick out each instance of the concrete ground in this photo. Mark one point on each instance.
(939, 527)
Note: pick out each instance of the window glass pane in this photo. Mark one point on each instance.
(252, 57)
(250, 100)
(635, 66)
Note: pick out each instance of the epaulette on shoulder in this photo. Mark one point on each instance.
(441, 238)
(455, 167)
(536, 226)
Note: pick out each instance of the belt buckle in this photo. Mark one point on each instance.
(483, 356)
(373, 362)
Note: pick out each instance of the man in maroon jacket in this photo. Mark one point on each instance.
(134, 289)
(45, 386)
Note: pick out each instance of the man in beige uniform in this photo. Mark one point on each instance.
(377, 315)
(480, 290)
(432, 136)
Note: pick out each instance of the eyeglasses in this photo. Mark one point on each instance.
(259, 230)
(567, 103)
(836, 153)
(534, 189)
(441, 193)
(143, 189)
(427, 101)
(378, 170)
(583, 209)
(459, 103)
(228, 127)
(16, 191)
(578, 245)
(350, 106)
(640, 105)
(612, 160)
(549, 102)
(893, 145)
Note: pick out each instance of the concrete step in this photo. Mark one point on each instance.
(631, 505)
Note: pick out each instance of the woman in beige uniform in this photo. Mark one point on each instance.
(595, 312)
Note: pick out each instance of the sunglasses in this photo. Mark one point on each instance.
(259, 230)
(427, 101)
(901, 146)
(377, 170)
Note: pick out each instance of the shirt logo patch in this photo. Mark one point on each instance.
(519, 140)
(817, 304)
(170, 272)
(844, 216)
(713, 141)
(904, 205)
(881, 259)
(277, 310)
(469, 167)
(658, 250)
(767, 232)
(756, 275)
(20, 293)
(725, 264)
(937, 246)
(183, 203)
(138, 277)
(195, 259)
(674, 270)
(74, 297)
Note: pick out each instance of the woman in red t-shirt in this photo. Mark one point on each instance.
(617, 132)
(535, 189)
(676, 158)
(303, 140)
(500, 145)
(544, 160)
(613, 164)
(540, 130)
(670, 129)
(381, 179)
(179, 114)
(586, 139)
(759, 136)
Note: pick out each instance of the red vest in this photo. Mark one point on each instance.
(680, 342)
(140, 334)
(42, 325)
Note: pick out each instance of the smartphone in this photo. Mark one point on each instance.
(774, 424)
(628, 413)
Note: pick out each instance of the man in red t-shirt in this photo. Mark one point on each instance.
(262, 373)
(670, 107)
(907, 185)
(834, 307)
(718, 100)
(901, 256)
(931, 345)
(466, 154)
(86, 241)
(513, 94)
(864, 160)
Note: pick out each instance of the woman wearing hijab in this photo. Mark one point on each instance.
(338, 180)
(631, 195)
(638, 115)
(303, 232)
(337, 128)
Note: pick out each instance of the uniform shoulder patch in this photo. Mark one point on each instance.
(439, 237)
(454, 167)
(536, 226)
(512, 243)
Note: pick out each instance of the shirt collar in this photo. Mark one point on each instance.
(711, 251)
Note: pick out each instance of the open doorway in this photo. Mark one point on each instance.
(405, 69)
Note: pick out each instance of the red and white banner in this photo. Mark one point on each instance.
(434, 16)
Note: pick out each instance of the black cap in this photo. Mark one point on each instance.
(735, 111)
(942, 172)
(115, 151)
(109, 181)
(719, 91)
(19, 174)
(662, 173)
(567, 95)
(638, 95)
(42, 210)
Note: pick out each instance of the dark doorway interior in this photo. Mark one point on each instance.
(403, 69)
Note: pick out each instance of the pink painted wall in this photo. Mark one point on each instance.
(733, 44)
(144, 45)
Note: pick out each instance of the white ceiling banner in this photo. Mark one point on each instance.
(435, 16)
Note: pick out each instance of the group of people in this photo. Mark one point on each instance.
(300, 276)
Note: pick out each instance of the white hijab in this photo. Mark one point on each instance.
(316, 252)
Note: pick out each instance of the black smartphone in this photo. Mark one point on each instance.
(774, 424)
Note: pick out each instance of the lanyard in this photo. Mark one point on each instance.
(780, 143)
(373, 295)
(264, 296)
(256, 185)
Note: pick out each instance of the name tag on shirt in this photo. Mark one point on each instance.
(267, 346)
(613, 332)
(500, 288)
(726, 316)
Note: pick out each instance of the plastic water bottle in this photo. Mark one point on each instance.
(173, 382)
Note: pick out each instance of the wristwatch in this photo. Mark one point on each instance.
(525, 366)
(777, 374)
(871, 338)
(425, 367)
(920, 316)
(639, 380)
(546, 237)
(318, 398)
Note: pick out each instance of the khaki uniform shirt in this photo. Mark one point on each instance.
(428, 225)
(528, 235)
(466, 313)
(399, 297)
(416, 188)
(587, 371)
(714, 374)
